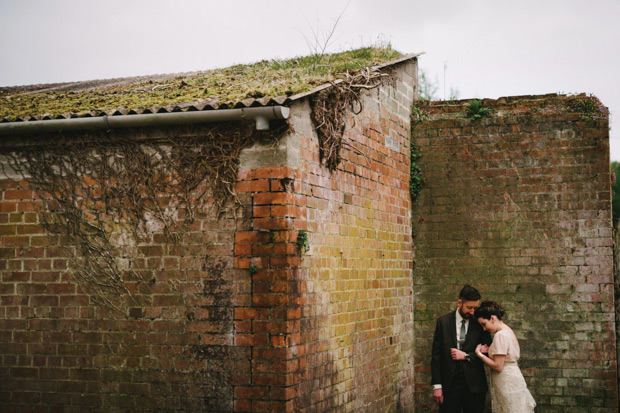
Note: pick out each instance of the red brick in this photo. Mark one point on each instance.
(53, 288)
(250, 313)
(18, 194)
(286, 211)
(287, 262)
(251, 340)
(16, 277)
(243, 326)
(273, 198)
(262, 249)
(241, 262)
(243, 249)
(260, 211)
(260, 185)
(24, 372)
(23, 206)
(8, 206)
(274, 172)
(273, 223)
(256, 393)
(242, 237)
(15, 241)
(12, 229)
(270, 300)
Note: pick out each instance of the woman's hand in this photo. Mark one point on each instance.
(496, 363)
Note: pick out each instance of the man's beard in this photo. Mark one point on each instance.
(466, 316)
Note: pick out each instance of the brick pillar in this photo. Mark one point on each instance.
(270, 321)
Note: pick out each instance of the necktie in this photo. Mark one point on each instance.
(462, 335)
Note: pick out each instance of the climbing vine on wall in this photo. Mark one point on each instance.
(331, 106)
(102, 193)
(419, 114)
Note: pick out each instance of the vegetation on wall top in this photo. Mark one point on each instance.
(475, 110)
(589, 106)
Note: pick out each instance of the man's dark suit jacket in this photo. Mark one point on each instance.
(443, 368)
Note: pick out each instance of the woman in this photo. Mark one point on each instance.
(507, 386)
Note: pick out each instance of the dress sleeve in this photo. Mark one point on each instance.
(500, 345)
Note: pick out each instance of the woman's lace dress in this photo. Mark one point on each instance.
(508, 389)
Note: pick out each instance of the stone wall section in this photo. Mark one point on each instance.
(518, 205)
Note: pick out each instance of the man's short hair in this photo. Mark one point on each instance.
(469, 293)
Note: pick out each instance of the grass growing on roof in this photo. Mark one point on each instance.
(267, 78)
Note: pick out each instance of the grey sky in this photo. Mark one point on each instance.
(489, 48)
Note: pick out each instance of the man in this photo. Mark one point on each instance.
(459, 382)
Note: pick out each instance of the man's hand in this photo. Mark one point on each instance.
(457, 354)
(438, 396)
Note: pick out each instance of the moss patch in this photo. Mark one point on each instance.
(267, 78)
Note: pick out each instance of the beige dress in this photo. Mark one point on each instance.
(509, 393)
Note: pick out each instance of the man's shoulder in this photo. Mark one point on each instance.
(446, 317)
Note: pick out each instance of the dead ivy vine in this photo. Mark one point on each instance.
(331, 106)
(99, 189)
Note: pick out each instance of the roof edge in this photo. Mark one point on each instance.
(326, 85)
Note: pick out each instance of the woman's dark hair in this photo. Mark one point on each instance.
(469, 293)
(487, 309)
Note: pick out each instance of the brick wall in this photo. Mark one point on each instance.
(356, 277)
(330, 327)
(518, 205)
(267, 324)
(170, 342)
(232, 315)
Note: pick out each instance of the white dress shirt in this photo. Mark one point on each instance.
(459, 320)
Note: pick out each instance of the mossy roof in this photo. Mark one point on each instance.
(259, 84)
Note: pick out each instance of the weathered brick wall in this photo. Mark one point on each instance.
(518, 205)
(212, 324)
(231, 316)
(170, 342)
(267, 324)
(356, 321)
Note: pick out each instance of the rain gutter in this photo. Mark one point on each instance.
(261, 115)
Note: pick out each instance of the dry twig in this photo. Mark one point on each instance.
(330, 108)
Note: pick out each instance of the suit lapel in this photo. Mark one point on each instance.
(453, 329)
(471, 331)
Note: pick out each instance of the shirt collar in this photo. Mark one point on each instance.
(459, 318)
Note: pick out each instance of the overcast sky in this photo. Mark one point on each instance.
(482, 48)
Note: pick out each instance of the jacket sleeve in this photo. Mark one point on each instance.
(436, 355)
